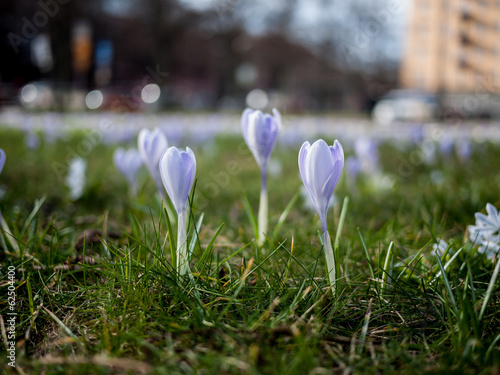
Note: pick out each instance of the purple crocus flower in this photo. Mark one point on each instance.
(152, 144)
(178, 170)
(32, 141)
(320, 167)
(353, 167)
(261, 132)
(128, 162)
(2, 159)
(366, 150)
(464, 149)
(446, 146)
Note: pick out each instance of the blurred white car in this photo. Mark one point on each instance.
(406, 105)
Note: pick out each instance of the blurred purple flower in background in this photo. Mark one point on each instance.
(353, 167)
(416, 133)
(3, 157)
(152, 144)
(32, 141)
(178, 170)
(464, 149)
(366, 151)
(261, 132)
(446, 145)
(128, 162)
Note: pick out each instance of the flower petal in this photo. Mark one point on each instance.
(260, 132)
(178, 169)
(2, 159)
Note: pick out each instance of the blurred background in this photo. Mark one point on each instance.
(395, 60)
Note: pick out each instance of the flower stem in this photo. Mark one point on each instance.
(262, 228)
(182, 256)
(330, 261)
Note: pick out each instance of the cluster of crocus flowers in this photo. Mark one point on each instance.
(261, 132)
(178, 170)
(320, 167)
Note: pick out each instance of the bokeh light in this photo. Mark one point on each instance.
(257, 99)
(94, 99)
(150, 93)
(28, 95)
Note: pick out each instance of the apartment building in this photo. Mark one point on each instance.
(453, 46)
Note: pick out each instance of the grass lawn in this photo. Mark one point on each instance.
(95, 291)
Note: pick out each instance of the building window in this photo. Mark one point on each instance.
(480, 26)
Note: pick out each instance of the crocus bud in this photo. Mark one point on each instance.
(2, 159)
(152, 144)
(320, 167)
(128, 162)
(178, 169)
(260, 132)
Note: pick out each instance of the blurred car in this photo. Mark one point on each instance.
(406, 105)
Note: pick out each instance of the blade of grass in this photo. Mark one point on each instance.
(367, 255)
(209, 247)
(38, 204)
(171, 240)
(366, 323)
(60, 323)
(195, 237)
(447, 285)
(387, 263)
(489, 291)
(445, 267)
(250, 215)
(340, 226)
(491, 347)
(284, 215)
